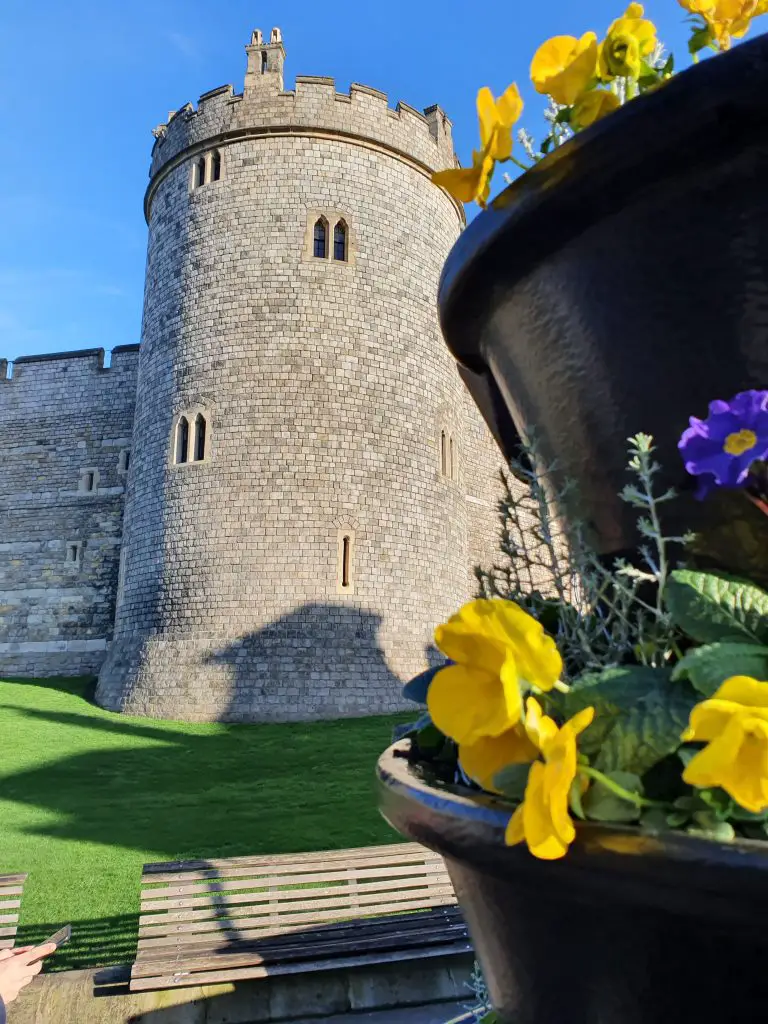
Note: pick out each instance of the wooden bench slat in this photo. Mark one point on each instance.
(221, 899)
(179, 980)
(246, 924)
(397, 850)
(351, 924)
(233, 955)
(442, 917)
(296, 881)
(262, 905)
(19, 879)
(8, 904)
(8, 931)
(275, 934)
(309, 868)
(205, 921)
(12, 890)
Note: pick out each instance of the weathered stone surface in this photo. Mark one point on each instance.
(326, 386)
(60, 416)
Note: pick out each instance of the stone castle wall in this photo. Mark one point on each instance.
(61, 417)
(329, 398)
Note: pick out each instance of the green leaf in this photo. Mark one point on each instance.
(512, 780)
(669, 67)
(708, 667)
(708, 825)
(639, 716)
(600, 804)
(547, 145)
(564, 115)
(712, 607)
(699, 40)
(654, 819)
(677, 818)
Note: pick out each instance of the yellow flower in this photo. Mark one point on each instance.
(485, 758)
(734, 724)
(564, 66)
(542, 819)
(468, 183)
(628, 40)
(497, 647)
(592, 106)
(726, 19)
(497, 118)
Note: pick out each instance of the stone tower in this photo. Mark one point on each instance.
(309, 481)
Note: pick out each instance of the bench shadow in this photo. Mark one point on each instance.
(104, 940)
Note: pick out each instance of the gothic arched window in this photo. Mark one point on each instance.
(340, 242)
(320, 248)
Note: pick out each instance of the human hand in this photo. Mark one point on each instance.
(19, 966)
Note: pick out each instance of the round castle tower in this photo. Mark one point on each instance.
(297, 517)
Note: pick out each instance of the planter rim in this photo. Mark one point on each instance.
(708, 111)
(472, 820)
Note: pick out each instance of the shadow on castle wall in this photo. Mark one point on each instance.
(319, 661)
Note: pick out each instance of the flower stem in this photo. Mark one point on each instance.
(520, 164)
(617, 790)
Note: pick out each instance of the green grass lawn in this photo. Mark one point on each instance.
(88, 796)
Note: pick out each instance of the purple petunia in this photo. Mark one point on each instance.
(720, 449)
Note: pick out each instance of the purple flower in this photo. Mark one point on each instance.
(721, 448)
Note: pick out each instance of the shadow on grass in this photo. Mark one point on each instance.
(107, 940)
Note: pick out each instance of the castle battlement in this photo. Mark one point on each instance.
(44, 368)
(313, 107)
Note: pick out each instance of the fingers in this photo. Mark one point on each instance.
(20, 949)
(34, 953)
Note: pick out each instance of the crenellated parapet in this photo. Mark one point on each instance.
(31, 371)
(313, 108)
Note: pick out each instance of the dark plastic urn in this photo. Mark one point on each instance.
(621, 285)
(626, 929)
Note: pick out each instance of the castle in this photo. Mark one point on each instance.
(262, 511)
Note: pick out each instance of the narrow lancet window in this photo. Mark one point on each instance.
(199, 438)
(340, 242)
(321, 238)
(182, 439)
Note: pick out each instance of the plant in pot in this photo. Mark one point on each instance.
(593, 760)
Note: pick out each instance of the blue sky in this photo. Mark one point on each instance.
(82, 83)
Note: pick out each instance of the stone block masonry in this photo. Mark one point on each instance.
(65, 424)
(309, 484)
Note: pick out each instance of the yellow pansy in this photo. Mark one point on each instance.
(497, 117)
(592, 106)
(734, 725)
(564, 66)
(496, 647)
(485, 758)
(542, 820)
(726, 19)
(468, 184)
(628, 40)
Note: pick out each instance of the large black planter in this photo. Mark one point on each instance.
(627, 929)
(622, 284)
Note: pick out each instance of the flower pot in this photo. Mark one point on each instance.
(628, 928)
(621, 285)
